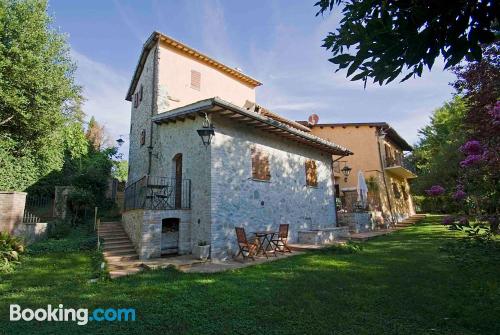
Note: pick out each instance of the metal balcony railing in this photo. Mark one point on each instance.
(394, 162)
(160, 193)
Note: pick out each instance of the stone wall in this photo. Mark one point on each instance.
(239, 201)
(32, 232)
(140, 120)
(181, 137)
(144, 230)
(11, 210)
(357, 222)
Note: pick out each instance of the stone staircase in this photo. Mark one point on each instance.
(118, 250)
(410, 221)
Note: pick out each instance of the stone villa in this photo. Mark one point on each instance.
(258, 170)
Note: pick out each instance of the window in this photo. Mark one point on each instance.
(137, 99)
(311, 173)
(260, 165)
(140, 93)
(195, 80)
(395, 189)
(143, 137)
(405, 194)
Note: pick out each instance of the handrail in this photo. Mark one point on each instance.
(158, 192)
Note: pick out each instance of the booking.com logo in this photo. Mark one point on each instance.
(81, 315)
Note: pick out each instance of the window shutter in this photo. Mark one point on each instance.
(260, 165)
(311, 173)
(195, 79)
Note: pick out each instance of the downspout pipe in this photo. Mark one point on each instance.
(380, 136)
(334, 192)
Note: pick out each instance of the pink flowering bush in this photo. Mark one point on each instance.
(459, 193)
(435, 190)
(448, 220)
(495, 114)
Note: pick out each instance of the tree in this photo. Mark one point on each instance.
(96, 134)
(436, 155)
(382, 39)
(38, 96)
(120, 170)
(479, 180)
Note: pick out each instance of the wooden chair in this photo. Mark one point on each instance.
(280, 240)
(245, 246)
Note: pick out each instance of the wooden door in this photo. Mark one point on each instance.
(178, 181)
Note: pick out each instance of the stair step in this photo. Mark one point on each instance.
(120, 251)
(122, 246)
(117, 241)
(111, 230)
(121, 258)
(114, 235)
(125, 265)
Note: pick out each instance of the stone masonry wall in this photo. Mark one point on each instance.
(144, 230)
(238, 200)
(181, 137)
(11, 210)
(140, 119)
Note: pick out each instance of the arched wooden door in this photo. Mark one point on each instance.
(178, 180)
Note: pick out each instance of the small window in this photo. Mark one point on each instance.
(195, 80)
(260, 165)
(395, 189)
(405, 194)
(311, 173)
(140, 93)
(143, 137)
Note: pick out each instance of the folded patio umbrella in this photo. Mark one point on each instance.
(362, 188)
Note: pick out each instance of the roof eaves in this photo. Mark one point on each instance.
(212, 102)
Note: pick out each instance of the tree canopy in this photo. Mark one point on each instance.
(381, 39)
(40, 115)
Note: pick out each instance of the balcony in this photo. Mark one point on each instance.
(399, 168)
(158, 193)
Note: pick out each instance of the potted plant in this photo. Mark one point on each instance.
(202, 250)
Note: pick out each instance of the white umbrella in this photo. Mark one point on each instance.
(362, 189)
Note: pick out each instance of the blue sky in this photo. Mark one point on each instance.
(277, 42)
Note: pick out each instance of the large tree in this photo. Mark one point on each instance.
(39, 102)
(381, 39)
(436, 156)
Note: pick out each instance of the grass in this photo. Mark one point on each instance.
(397, 284)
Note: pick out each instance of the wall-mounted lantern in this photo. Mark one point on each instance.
(120, 142)
(207, 132)
(346, 170)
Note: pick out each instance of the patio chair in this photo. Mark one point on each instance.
(245, 246)
(280, 240)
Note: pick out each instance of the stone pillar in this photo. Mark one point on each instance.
(11, 210)
(61, 201)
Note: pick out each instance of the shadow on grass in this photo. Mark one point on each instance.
(397, 284)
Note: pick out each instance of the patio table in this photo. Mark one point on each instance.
(265, 245)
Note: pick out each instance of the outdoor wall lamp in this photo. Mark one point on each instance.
(120, 142)
(346, 170)
(207, 132)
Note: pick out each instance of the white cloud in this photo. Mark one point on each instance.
(104, 90)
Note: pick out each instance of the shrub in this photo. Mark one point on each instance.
(10, 249)
(79, 238)
(346, 248)
(59, 229)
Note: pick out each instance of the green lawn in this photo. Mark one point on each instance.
(398, 284)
